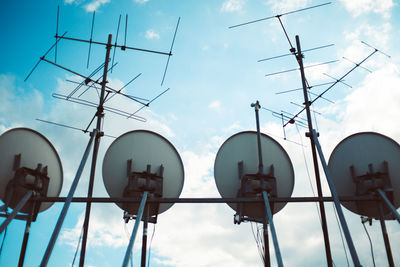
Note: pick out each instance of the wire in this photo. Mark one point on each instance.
(256, 238)
(2, 242)
(370, 242)
(151, 241)
(341, 234)
(77, 247)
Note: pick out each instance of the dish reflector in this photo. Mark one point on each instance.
(143, 148)
(243, 147)
(34, 149)
(360, 150)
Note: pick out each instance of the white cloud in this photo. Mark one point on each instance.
(232, 5)
(93, 6)
(141, 1)
(151, 34)
(215, 106)
(361, 7)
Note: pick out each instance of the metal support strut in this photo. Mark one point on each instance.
(135, 229)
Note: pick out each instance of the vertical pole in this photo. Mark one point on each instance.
(273, 232)
(385, 235)
(99, 115)
(26, 236)
(135, 229)
(260, 161)
(314, 155)
(267, 258)
(144, 238)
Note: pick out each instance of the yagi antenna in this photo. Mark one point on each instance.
(90, 41)
(310, 66)
(116, 39)
(170, 51)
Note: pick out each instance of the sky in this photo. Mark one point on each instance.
(214, 75)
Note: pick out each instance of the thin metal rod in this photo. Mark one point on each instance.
(67, 203)
(90, 42)
(272, 228)
(385, 235)
(324, 224)
(260, 160)
(290, 54)
(339, 210)
(389, 204)
(170, 51)
(17, 208)
(26, 235)
(163, 92)
(144, 238)
(287, 13)
(55, 52)
(99, 115)
(267, 257)
(120, 46)
(135, 229)
(305, 67)
(116, 40)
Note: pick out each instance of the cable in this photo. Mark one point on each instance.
(369, 238)
(341, 234)
(2, 242)
(77, 247)
(257, 242)
(151, 241)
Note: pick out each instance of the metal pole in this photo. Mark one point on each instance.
(267, 258)
(260, 161)
(389, 204)
(17, 208)
(99, 115)
(385, 235)
(272, 227)
(144, 238)
(314, 155)
(135, 229)
(67, 203)
(339, 210)
(26, 236)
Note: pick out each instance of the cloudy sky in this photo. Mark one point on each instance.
(214, 75)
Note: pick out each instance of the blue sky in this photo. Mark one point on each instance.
(213, 78)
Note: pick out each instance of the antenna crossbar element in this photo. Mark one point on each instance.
(170, 51)
(90, 41)
(357, 64)
(310, 66)
(133, 114)
(120, 46)
(341, 81)
(289, 54)
(298, 89)
(277, 16)
(116, 40)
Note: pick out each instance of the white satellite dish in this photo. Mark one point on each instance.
(360, 150)
(34, 149)
(243, 147)
(143, 148)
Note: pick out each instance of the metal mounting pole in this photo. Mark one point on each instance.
(99, 115)
(144, 238)
(17, 208)
(389, 204)
(135, 229)
(385, 235)
(26, 236)
(273, 232)
(314, 155)
(67, 203)
(267, 257)
(339, 210)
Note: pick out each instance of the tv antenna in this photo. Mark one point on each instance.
(105, 92)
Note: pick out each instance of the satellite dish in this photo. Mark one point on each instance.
(243, 147)
(34, 149)
(360, 150)
(143, 148)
